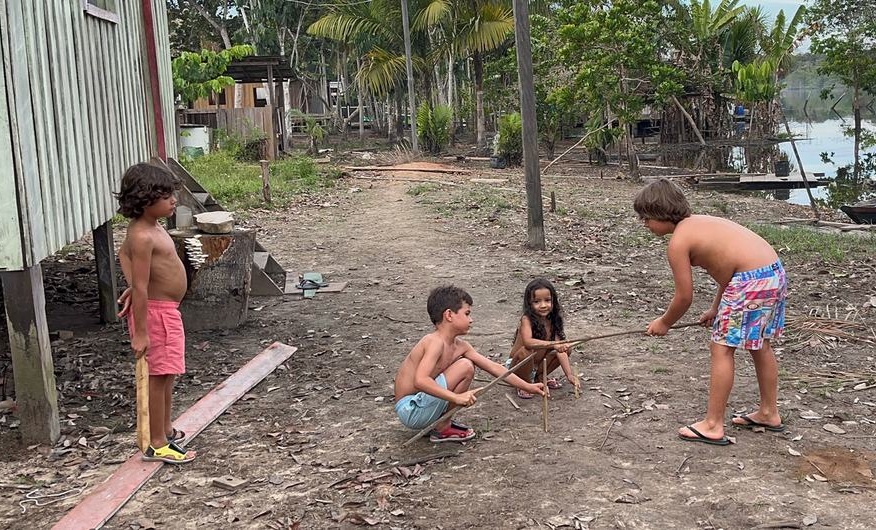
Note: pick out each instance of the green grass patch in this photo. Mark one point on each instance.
(421, 189)
(238, 185)
(803, 241)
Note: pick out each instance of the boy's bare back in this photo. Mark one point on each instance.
(167, 276)
(720, 246)
(450, 353)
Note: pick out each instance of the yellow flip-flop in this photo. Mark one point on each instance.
(169, 454)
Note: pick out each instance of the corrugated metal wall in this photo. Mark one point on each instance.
(76, 94)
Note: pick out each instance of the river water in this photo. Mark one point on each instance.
(826, 137)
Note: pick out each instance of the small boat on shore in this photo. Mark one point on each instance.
(862, 213)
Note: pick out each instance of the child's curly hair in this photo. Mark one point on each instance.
(662, 200)
(142, 185)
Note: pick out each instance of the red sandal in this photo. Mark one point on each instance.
(451, 434)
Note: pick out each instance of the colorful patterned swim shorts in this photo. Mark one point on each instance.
(752, 308)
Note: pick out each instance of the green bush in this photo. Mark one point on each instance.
(510, 144)
(433, 127)
(238, 185)
(248, 148)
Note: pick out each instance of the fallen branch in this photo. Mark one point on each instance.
(407, 179)
(401, 168)
(605, 439)
(579, 142)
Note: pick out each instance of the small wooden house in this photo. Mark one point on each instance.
(85, 92)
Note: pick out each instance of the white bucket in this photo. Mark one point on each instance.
(183, 217)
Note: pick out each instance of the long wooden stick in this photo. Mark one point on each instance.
(449, 414)
(579, 142)
(576, 342)
(142, 377)
(544, 397)
(577, 380)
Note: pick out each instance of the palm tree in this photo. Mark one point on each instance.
(483, 25)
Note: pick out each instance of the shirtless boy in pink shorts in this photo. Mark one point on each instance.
(749, 307)
(157, 282)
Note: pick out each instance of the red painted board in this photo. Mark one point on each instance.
(105, 500)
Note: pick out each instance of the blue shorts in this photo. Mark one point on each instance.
(418, 410)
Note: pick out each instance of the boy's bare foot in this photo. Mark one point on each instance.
(756, 419)
(714, 432)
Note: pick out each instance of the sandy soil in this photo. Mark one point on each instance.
(318, 438)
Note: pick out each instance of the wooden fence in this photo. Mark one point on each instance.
(245, 123)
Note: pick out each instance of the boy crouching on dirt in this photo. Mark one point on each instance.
(437, 373)
(749, 307)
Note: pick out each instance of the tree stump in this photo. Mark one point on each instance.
(218, 270)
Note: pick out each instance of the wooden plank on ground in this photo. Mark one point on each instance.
(409, 168)
(102, 503)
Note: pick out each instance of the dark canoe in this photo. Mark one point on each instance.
(862, 213)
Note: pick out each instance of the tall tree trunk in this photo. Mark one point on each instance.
(226, 41)
(856, 107)
(479, 96)
(451, 82)
(390, 126)
(359, 89)
(400, 115)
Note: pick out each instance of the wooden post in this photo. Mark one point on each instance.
(544, 398)
(410, 70)
(35, 393)
(105, 258)
(266, 181)
(553, 202)
(272, 104)
(800, 164)
(534, 207)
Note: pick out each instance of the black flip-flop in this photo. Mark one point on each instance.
(460, 426)
(306, 285)
(176, 436)
(700, 437)
(751, 424)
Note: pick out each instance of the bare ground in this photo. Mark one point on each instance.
(327, 414)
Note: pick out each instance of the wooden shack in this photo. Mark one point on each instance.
(263, 108)
(85, 92)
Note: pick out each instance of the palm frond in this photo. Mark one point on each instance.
(488, 29)
(431, 14)
(382, 70)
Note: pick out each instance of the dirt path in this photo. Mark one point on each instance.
(327, 415)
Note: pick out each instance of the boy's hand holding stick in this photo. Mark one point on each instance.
(575, 342)
(450, 413)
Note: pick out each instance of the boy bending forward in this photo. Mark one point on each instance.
(437, 373)
(749, 307)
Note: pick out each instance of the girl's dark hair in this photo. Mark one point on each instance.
(555, 317)
(142, 185)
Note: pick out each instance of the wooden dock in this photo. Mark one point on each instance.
(768, 181)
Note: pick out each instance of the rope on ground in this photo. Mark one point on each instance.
(36, 497)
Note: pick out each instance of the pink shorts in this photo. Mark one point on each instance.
(167, 339)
